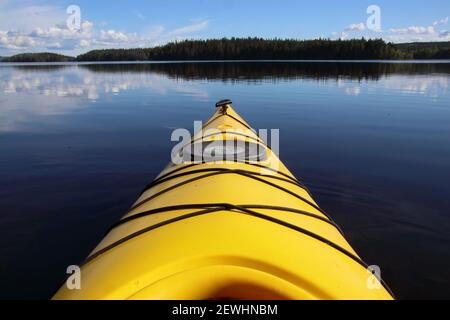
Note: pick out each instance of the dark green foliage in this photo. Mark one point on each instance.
(258, 49)
(38, 57)
(116, 55)
(254, 49)
(426, 50)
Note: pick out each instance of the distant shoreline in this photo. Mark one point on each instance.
(255, 49)
(73, 63)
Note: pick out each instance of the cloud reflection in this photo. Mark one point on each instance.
(78, 82)
(431, 86)
(26, 93)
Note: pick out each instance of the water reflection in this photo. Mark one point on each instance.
(431, 86)
(370, 139)
(29, 90)
(91, 80)
(78, 81)
(243, 72)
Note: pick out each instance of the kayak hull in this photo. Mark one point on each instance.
(226, 230)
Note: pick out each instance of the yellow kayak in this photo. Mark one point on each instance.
(225, 227)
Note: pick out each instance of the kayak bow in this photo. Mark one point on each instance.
(235, 225)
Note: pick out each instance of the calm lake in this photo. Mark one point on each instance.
(371, 140)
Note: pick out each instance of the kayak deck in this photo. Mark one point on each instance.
(240, 229)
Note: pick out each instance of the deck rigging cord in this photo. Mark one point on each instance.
(235, 209)
(235, 203)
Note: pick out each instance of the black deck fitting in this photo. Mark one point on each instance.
(223, 103)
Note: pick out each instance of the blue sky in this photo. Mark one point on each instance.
(36, 25)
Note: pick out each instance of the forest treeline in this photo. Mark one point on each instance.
(426, 50)
(38, 57)
(253, 49)
(258, 49)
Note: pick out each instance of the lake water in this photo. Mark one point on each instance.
(371, 140)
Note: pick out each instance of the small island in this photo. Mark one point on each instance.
(38, 57)
(256, 49)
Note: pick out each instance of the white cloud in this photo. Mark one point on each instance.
(116, 37)
(34, 28)
(15, 41)
(62, 32)
(356, 27)
(85, 43)
(53, 38)
(413, 33)
(87, 26)
(59, 37)
(416, 34)
(195, 26)
(414, 30)
(442, 21)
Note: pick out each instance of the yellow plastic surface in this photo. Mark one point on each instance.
(225, 254)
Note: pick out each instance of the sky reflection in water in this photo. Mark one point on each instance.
(80, 141)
